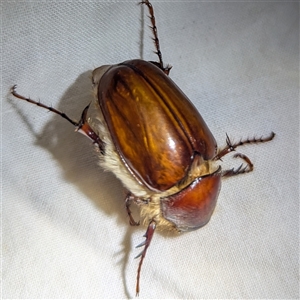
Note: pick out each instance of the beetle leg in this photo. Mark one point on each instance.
(159, 64)
(14, 93)
(82, 126)
(246, 159)
(231, 147)
(241, 169)
(128, 200)
(148, 235)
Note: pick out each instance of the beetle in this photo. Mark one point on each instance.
(150, 135)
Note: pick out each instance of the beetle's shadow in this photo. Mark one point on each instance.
(79, 162)
(75, 153)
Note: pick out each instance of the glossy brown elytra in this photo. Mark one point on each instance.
(150, 135)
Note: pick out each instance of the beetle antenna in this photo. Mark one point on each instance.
(148, 235)
(231, 147)
(160, 64)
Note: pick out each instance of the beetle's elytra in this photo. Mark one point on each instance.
(150, 135)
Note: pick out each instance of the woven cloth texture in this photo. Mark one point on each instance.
(65, 228)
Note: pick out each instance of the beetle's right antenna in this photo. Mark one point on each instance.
(160, 64)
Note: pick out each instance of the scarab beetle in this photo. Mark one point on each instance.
(150, 135)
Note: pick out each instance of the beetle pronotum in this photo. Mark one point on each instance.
(149, 134)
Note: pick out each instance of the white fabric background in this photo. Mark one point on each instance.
(65, 230)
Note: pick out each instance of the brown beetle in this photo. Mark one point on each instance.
(150, 135)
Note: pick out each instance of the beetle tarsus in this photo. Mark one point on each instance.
(81, 126)
(148, 235)
(155, 39)
(241, 169)
(233, 172)
(232, 146)
(249, 166)
(38, 103)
